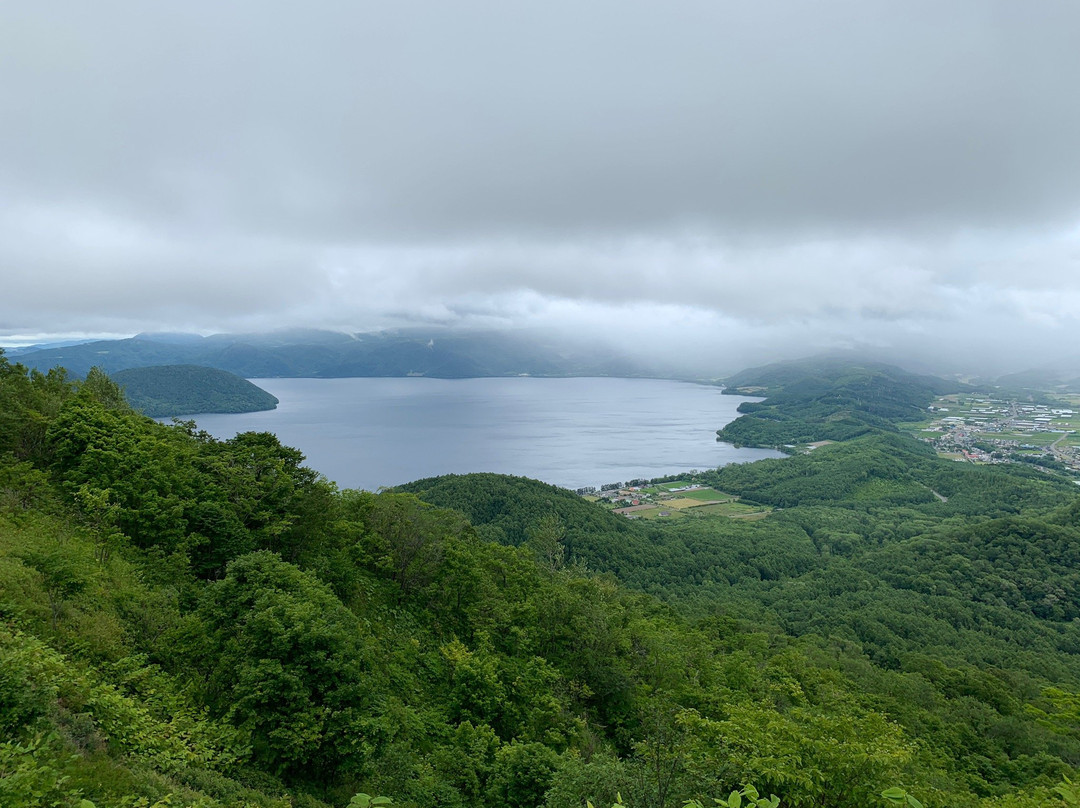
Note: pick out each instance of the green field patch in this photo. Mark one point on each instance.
(636, 510)
(684, 502)
(1037, 438)
(663, 513)
(705, 494)
(1044, 438)
(889, 490)
(665, 488)
(731, 510)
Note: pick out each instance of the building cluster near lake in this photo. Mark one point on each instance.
(985, 429)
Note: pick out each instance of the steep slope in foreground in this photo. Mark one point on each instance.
(166, 390)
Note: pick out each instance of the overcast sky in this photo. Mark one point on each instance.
(763, 178)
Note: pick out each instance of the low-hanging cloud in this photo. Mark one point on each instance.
(795, 176)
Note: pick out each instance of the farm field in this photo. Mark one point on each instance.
(706, 495)
(737, 510)
(662, 513)
(686, 502)
(670, 501)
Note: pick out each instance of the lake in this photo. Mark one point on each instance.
(367, 433)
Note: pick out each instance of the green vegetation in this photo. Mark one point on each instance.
(193, 622)
(825, 399)
(704, 494)
(170, 390)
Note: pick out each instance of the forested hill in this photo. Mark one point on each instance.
(168, 390)
(819, 399)
(440, 353)
(510, 508)
(949, 580)
(201, 623)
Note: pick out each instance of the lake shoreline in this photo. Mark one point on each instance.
(571, 431)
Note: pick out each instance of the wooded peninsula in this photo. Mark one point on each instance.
(166, 391)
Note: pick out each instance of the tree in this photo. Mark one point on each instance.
(286, 663)
(107, 392)
(409, 538)
(523, 774)
(546, 541)
(62, 575)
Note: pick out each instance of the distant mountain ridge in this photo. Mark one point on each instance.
(163, 391)
(329, 354)
(1044, 379)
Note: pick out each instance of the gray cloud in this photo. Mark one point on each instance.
(792, 175)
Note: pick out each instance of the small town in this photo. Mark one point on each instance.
(983, 429)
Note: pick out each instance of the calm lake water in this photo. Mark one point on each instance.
(367, 433)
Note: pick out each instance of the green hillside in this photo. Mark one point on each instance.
(167, 390)
(202, 623)
(820, 399)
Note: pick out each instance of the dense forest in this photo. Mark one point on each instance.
(193, 622)
(825, 399)
(164, 391)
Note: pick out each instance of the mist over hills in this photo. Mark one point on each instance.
(813, 375)
(453, 353)
(1058, 379)
(438, 353)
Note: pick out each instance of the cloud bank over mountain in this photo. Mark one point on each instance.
(761, 178)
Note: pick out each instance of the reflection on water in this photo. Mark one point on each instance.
(367, 433)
